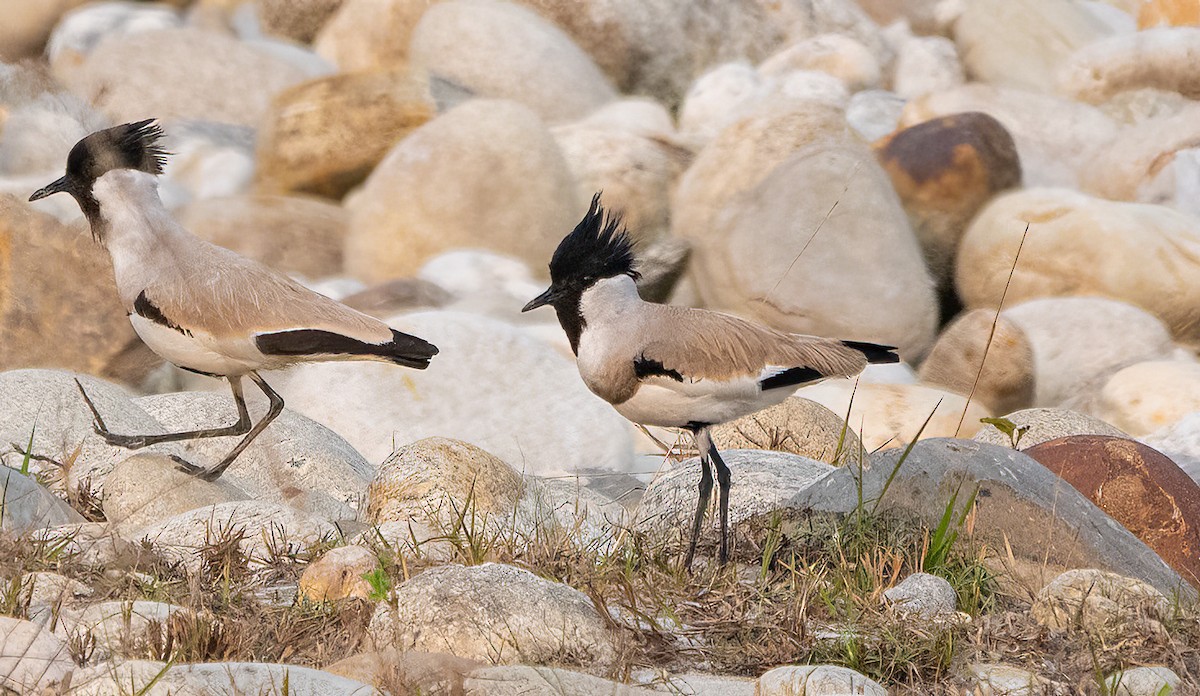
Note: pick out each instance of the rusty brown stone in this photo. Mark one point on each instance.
(58, 302)
(944, 170)
(1137, 486)
(324, 136)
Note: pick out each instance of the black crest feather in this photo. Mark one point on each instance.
(140, 143)
(598, 247)
(127, 146)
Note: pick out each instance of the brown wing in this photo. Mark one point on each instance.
(701, 344)
(229, 295)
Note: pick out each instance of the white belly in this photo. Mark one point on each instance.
(671, 404)
(198, 351)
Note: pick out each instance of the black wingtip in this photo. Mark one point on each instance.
(876, 354)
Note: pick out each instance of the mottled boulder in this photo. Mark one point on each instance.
(438, 474)
(497, 614)
(796, 426)
(1079, 342)
(1020, 43)
(1099, 602)
(1149, 396)
(1158, 58)
(169, 73)
(984, 355)
(1044, 424)
(292, 234)
(33, 658)
(326, 135)
(147, 488)
(1144, 255)
(923, 595)
(505, 51)
(338, 574)
(58, 302)
(1049, 525)
(1137, 486)
(27, 505)
(811, 680)
(945, 170)
(499, 182)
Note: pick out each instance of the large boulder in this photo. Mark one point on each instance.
(1142, 254)
(1149, 396)
(1156, 58)
(985, 356)
(796, 426)
(498, 181)
(32, 658)
(147, 488)
(58, 302)
(293, 234)
(483, 388)
(505, 51)
(783, 259)
(1049, 526)
(294, 461)
(1138, 487)
(326, 135)
(170, 73)
(497, 614)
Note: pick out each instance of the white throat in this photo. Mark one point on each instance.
(136, 224)
(608, 300)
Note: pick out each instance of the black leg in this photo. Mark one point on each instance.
(241, 427)
(275, 409)
(705, 443)
(706, 484)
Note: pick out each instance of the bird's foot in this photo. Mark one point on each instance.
(191, 469)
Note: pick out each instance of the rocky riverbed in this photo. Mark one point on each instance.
(1007, 190)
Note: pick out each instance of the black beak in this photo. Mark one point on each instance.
(543, 299)
(58, 186)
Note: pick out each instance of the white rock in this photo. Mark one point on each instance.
(638, 115)
(523, 680)
(1078, 342)
(494, 613)
(719, 97)
(80, 30)
(817, 680)
(117, 626)
(147, 488)
(840, 56)
(31, 658)
(924, 595)
(93, 544)
(1143, 681)
(39, 132)
(926, 64)
(874, 113)
(1045, 424)
(209, 160)
(478, 389)
(160, 679)
(1158, 57)
(268, 528)
(1004, 680)
(1181, 442)
(1149, 396)
(295, 461)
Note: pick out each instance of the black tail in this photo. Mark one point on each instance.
(875, 353)
(403, 349)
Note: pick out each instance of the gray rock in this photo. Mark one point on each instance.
(523, 680)
(1046, 424)
(505, 51)
(162, 679)
(817, 680)
(494, 613)
(874, 113)
(295, 461)
(148, 488)
(268, 528)
(47, 404)
(927, 596)
(31, 658)
(1005, 680)
(1144, 681)
(1049, 525)
(480, 389)
(25, 504)
(762, 481)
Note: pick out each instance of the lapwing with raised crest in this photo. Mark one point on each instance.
(679, 367)
(199, 306)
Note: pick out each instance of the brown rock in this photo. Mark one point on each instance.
(407, 671)
(1006, 381)
(326, 135)
(292, 234)
(1168, 13)
(797, 426)
(27, 25)
(1137, 486)
(338, 575)
(298, 20)
(945, 169)
(369, 34)
(58, 302)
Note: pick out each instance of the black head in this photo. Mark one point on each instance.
(128, 146)
(596, 249)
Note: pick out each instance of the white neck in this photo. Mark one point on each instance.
(137, 224)
(609, 299)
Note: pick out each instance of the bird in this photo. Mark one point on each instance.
(200, 306)
(678, 367)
